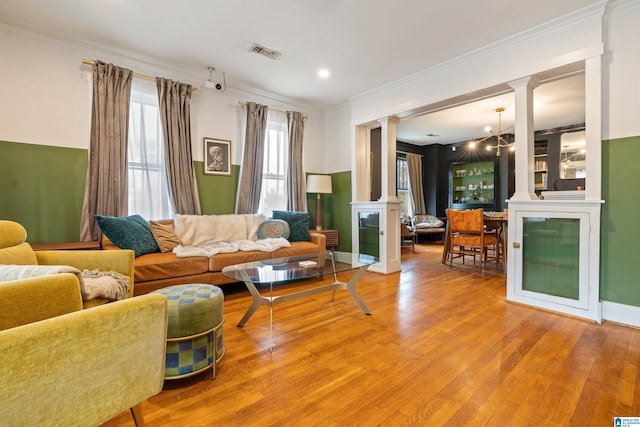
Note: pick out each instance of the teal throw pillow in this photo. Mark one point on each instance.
(273, 228)
(129, 232)
(298, 223)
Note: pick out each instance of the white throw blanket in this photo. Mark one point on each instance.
(195, 230)
(216, 247)
(93, 284)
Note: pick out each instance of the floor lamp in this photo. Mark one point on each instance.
(319, 184)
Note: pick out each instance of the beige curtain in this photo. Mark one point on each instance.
(296, 194)
(106, 186)
(414, 163)
(248, 200)
(175, 112)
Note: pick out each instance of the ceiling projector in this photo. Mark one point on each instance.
(210, 84)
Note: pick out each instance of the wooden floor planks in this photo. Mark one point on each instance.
(442, 347)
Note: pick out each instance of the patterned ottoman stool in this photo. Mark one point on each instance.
(195, 317)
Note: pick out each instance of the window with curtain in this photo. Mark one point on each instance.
(148, 189)
(403, 187)
(274, 174)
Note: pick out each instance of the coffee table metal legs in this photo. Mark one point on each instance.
(271, 301)
(258, 300)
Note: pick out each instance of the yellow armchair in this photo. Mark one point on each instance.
(80, 368)
(15, 250)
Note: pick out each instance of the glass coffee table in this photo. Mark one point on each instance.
(265, 274)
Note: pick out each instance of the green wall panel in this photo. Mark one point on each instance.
(42, 188)
(336, 209)
(341, 208)
(551, 256)
(217, 192)
(620, 230)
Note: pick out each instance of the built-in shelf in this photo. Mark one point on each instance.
(540, 167)
(472, 184)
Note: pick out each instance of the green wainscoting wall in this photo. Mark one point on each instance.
(217, 192)
(42, 188)
(342, 208)
(336, 209)
(620, 232)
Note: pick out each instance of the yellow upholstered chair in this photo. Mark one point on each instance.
(15, 250)
(467, 236)
(79, 368)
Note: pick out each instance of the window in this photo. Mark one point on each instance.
(403, 187)
(274, 174)
(148, 189)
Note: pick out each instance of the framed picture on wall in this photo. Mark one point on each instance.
(217, 156)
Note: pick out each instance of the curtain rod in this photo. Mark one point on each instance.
(405, 152)
(271, 108)
(139, 75)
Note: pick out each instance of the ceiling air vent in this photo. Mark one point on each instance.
(264, 51)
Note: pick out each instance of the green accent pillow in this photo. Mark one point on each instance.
(272, 228)
(298, 224)
(129, 232)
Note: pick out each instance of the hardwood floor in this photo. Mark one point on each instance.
(442, 347)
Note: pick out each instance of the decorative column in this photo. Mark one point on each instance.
(360, 167)
(386, 210)
(388, 154)
(593, 130)
(524, 162)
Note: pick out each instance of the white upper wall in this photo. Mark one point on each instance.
(548, 46)
(47, 92)
(621, 68)
(45, 99)
(560, 42)
(337, 131)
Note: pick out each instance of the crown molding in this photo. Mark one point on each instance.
(128, 56)
(581, 15)
(155, 65)
(615, 7)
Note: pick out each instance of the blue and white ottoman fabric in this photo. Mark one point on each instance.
(195, 317)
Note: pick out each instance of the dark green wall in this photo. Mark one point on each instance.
(217, 192)
(620, 227)
(42, 188)
(341, 208)
(336, 209)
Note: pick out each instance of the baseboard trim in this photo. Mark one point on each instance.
(621, 313)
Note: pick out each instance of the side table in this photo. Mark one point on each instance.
(332, 237)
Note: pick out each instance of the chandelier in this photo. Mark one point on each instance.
(500, 141)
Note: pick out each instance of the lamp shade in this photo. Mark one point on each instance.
(319, 184)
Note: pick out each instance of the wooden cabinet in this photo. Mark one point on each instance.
(331, 236)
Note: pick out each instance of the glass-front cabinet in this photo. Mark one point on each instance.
(472, 185)
(369, 233)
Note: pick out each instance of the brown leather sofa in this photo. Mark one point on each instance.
(160, 269)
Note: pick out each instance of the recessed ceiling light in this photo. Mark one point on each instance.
(323, 73)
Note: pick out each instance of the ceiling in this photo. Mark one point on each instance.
(557, 104)
(365, 44)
